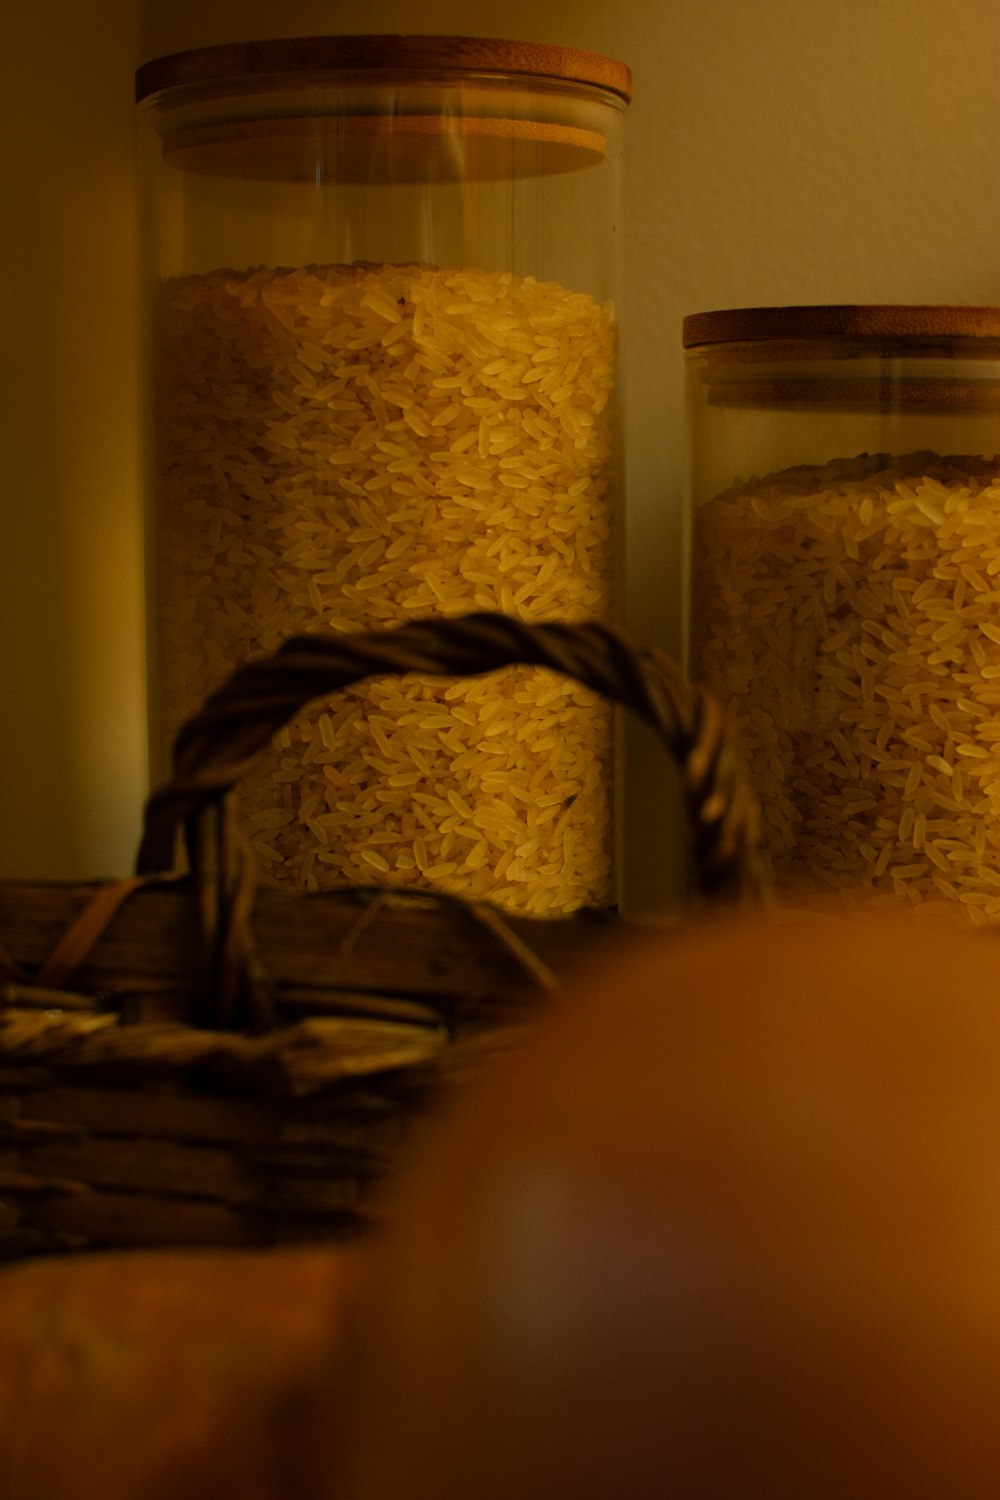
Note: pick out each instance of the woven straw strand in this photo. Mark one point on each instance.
(221, 744)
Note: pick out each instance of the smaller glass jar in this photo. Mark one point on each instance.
(845, 569)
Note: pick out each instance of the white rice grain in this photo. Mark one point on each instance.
(853, 722)
(348, 446)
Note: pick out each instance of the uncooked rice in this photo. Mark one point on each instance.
(849, 615)
(352, 446)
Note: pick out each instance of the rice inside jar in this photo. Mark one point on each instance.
(846, 609)
(348, 447)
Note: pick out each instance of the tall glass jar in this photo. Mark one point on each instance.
(381, 276)
(845, 477)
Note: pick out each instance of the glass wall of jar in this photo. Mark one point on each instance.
(845, 569)
(381, 277)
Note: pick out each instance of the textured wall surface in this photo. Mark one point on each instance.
(777, 153)
(72, 757)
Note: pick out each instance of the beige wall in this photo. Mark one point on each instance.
(840, 150)
(71, 739)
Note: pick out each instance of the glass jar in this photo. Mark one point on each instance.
(381, 277)
(845, 566)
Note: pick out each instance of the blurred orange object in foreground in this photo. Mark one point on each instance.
(169, 1376)
(728, 1227)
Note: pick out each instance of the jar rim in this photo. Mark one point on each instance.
(848, 320)
(383, 53)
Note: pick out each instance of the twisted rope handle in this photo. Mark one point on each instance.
(221, 744)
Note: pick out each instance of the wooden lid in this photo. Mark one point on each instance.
(383, 54)
(873, 321)
(878, 394)
(376, 148)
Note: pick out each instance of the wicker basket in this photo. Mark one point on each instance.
(186, 1059)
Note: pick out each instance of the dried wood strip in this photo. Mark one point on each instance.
(161, 1111)
(20, 1128)
(20, 1080)
(159, 1167)
(410, 949)
(381, 1130)
(166, 1002)
(47, 908)
(173, 1170)
(142, 1219)
(17, 1184)
(300, 1059)
(366, 1157)
(33, 997)
(171, 1112)
(354, 1003)
(19, 1242)
(339, 1230)
(311, 1055)
(309, 1197)
(39, 1036)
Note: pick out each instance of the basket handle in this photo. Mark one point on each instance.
(221, 744)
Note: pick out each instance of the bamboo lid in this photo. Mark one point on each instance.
(383, 54)
(427, 135)
(848, 321)
(376, 148)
